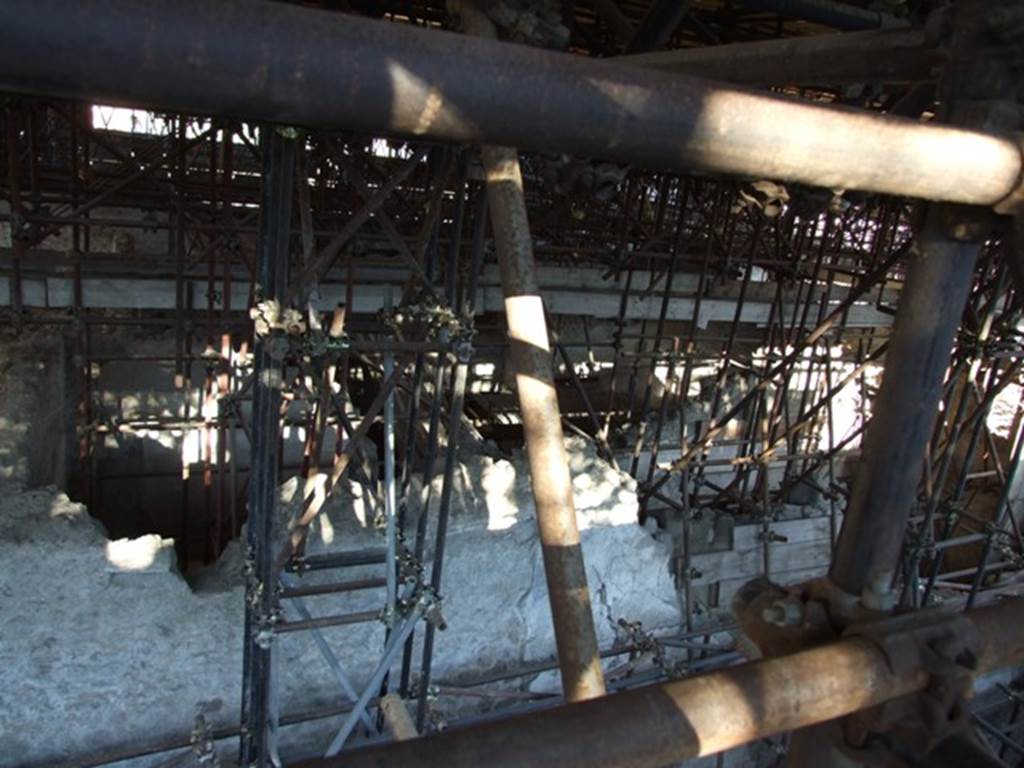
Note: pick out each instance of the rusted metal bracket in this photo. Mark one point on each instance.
(944, 647)
(939, 648)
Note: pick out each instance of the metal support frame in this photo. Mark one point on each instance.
(259, 700)
(686, 121)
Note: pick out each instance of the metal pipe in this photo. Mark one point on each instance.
(530, 354)
(443, 514)
(1004, 509)
(394, 645)
(827, 12)
(890, 56)
(390, 499)
(18, 245)
(670, 722)
(545, 444)
(321, 622)
(658, 25)
(325, 649)
(331, 588)
(259, 705)
(659, 331)
(301, 66)
(931, 304)
(420, 531)
(959, 423)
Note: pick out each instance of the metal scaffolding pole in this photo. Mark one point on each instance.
(530, 353)
(259, 704)
(372, 76)
(828, 12)
(931, 305)
(887, 56)
(670, 722)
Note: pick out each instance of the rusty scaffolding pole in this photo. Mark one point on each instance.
(675, 721)
(530, 352)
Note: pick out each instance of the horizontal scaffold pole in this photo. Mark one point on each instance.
(283, 63)
(670, 722)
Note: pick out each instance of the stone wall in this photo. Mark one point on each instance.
(105, 644)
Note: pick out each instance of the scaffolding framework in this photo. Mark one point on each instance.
(343, 284)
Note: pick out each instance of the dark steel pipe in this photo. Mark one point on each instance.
(288, 64)
(332, 588)
(930, 308)
(828, 13)
(321, 622)
(441, 534)
(670, 722)
(259, 702)
(889, 56)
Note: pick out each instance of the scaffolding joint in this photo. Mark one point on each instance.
(940, 648)
(940, 645)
